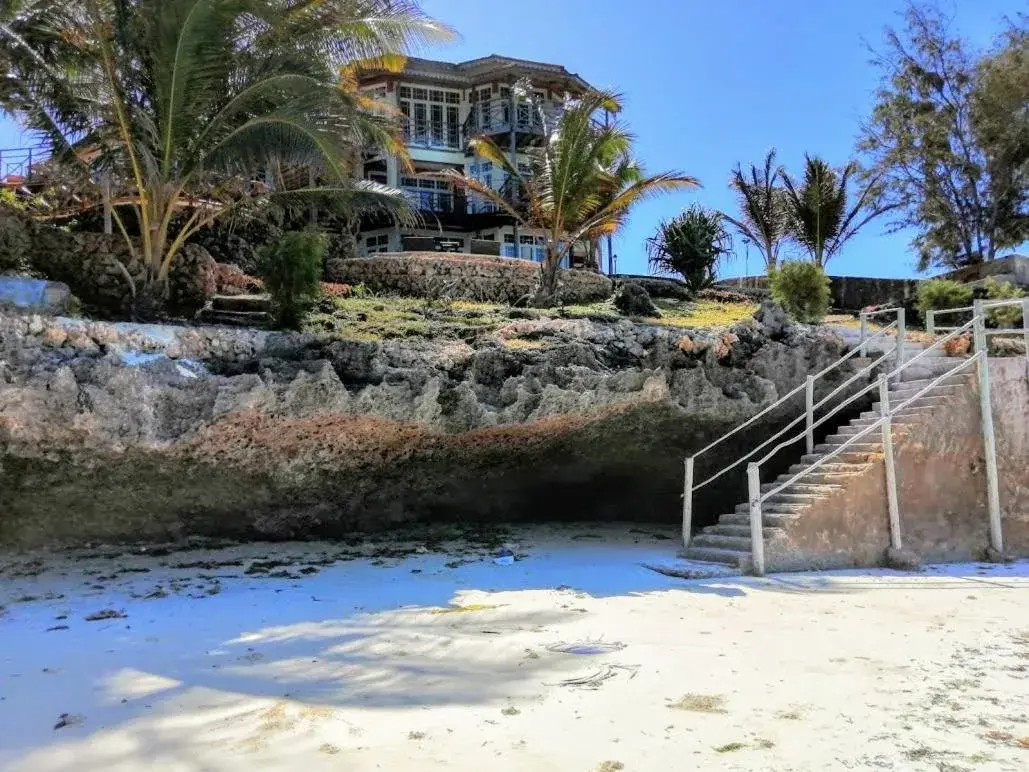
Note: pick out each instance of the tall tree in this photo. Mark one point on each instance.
(691, 245)
(820, 213)
(573, 190)
(762, 217)
(948, 137)
(186, 102)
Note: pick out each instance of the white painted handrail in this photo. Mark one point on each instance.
(689, 487)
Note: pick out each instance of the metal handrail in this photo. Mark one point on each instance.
(870, 428)
(789, 395)
(808, 386)
(865, 370)
(851, 399)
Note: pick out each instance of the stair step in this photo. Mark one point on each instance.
(738, 530)
(714, 555)
(235, 318)
(717, 541)
(910, 411)
(800, 487)
(777, 520)
(850, 455)
(865, 444)
(255, 303)
(777, 508)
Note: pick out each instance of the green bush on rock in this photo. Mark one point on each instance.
(292, 269)
(802, 288)
(942, 294)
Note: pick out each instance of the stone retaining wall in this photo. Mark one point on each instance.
(472, 277)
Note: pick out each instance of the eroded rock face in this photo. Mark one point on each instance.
(118, 432)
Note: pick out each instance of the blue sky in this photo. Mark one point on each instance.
(709, 83)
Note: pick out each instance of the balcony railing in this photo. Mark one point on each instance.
(436, 201)
(495, 116)
(16, 164)
(435, 135)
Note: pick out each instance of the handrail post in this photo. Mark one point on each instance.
(687, 504)
(989, 438)
(930, 323)
(891, 469)
(902, 333)
(864, 325)
(809, 392)
(757, 536)
(1025, 327)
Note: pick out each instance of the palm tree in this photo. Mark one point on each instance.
(690, 245)
(819, 218)
(763, 219)
(580, 182)
(185, 103)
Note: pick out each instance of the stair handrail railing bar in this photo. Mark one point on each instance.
(690, 461)
(789, 395)
(864, 317)
(866, 389)
(756, 500)
(815, 424)
(871, 427)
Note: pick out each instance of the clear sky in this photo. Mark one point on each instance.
(709, 83)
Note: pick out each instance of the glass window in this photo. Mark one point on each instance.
(428, 121)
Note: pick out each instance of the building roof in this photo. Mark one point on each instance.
(493, 68)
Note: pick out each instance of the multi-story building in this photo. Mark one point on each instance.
(443, 106)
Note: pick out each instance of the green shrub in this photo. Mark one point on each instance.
(291, 270)
(1008, 317)
(941, 294)
(802, 288)
(15, 242)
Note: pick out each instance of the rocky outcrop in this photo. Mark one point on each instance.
(131, 432)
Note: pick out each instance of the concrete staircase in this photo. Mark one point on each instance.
(729, 540)
(237, 311)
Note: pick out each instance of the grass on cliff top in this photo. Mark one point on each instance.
(386, 317)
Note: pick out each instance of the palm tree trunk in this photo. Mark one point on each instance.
(546, 296)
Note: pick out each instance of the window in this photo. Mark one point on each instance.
(430, 119)
(428, 195)
(376, 244)
(377, 176)
(375, 92)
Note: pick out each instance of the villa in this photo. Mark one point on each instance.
(443, 106)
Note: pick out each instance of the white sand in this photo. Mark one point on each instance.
(350, 669)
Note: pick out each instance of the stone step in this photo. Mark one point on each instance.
(777, 520)
(255, 303)
(860, 424)
(737, 530)
(800, 487)
(830, 470)
(719, 542)
(777, 508)
(741, 560)
(868, 444)
(235, 318)
(849, 456)
(912, 411)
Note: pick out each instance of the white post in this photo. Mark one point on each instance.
(930, 323)
(891, 470)
(864, 324)
(902, 333)
(108, 210)
(809, 394)
(757, 536)
(687, 504)
(989, 438)
(1025, 327)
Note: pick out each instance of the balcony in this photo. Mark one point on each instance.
(435, 201)
(495, 116)
(433, 135)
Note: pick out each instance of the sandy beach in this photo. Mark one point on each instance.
(573, 656)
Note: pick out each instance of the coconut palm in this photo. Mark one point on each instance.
(208, 106)
(820, 221)
(578, 186)
(763, 215)
(691, 245)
